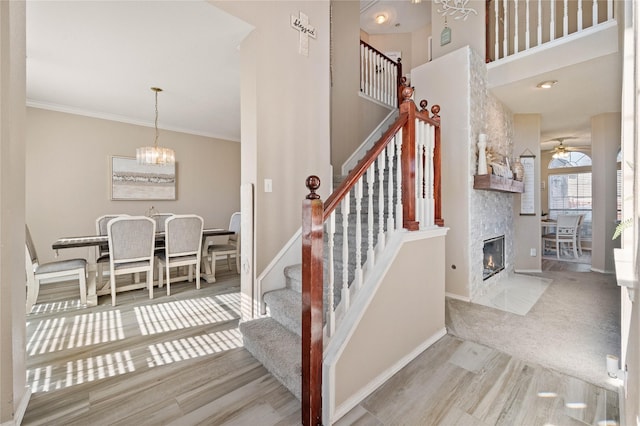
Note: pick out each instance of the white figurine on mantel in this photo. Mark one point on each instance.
(482, 154)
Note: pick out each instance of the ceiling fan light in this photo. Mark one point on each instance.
(381, 19)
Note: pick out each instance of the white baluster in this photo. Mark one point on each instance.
(527, 38)
(505, 35)
(346, 207)
(390, 222)
(369, 73)
(381, 168)
(378, 74)
(497, 31)
(394, 83)
(370, 252)
(358, 195)
(552, 22)
(331, 231)
(516, 48)
(565, 18)
(419, 171)
(539, 41)
(362, 68)
(399, 213)
(579, 15)
(430, 164)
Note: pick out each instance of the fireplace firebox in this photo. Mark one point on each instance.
(493, 251)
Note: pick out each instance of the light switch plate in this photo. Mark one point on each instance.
(268, 185)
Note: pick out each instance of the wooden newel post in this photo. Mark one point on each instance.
(408, 161)
(312, 260)
(437, 170)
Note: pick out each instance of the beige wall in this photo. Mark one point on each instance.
(395, 43)
(453, 98)
(605, 140)
(345, 98)
(13, 391)
(526, 138)
(285, 107)
(68, 168)
(470, 32)
(418, 270)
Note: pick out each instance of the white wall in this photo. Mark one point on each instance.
(526, 138)
(14, 395)
(452, 93)
(67, 174)
(463, 32)
(285, 107)
(605, 140)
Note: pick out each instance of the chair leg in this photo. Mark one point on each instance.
(558, 244)
(160, 267)
(229, 262)
(237, 263)
(150, 282)
(197, 266)
(168, 279)
(190, 273)
(213, 266)
(112, 280)
(32, 294)
(83, 287)
(575, 249)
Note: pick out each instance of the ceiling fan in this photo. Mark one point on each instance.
(561, 151)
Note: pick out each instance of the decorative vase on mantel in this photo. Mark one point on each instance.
(518, 170)
(482, 154)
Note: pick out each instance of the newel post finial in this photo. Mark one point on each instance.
(435, 110)
(313, 183)
(407, 93)
(423, 105)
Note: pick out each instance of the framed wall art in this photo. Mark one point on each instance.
(133, 181)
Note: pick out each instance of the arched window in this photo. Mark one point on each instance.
(570, 191)
(572, 159)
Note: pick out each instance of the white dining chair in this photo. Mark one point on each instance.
(36, 272)
(102, 251)
(183, 242)
(566, 234)
(228, 249)
(131, 249)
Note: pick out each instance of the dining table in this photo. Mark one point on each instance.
(101, 240)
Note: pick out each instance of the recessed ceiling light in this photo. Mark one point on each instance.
(381, 19)
(546, 84)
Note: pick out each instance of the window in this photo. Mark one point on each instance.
(573, 159)
(571, 194)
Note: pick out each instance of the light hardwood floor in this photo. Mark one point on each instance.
(179, 360)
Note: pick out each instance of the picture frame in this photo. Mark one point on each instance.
(132, 181)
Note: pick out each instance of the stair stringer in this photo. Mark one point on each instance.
(354, 316)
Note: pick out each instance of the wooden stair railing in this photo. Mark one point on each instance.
(380, 76)
(415, 156)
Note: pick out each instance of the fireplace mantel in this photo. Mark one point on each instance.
(490, 182)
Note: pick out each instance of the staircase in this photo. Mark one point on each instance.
(275, 341)
(391, 191)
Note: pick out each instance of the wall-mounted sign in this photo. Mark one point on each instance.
(445, 36)
(301, 24)
(527, 198)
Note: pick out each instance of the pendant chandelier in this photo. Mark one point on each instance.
(155, 154)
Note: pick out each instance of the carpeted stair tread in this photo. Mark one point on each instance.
(293, 277)
(277, 348)
(285, 306)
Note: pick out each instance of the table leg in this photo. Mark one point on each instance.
(92, 294)
(208, 275)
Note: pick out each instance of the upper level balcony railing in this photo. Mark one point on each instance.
(525, 24)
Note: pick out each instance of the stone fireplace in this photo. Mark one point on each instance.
(493, 253)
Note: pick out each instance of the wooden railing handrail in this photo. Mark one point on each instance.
(376, 50)
(359, 170)
(314, 215)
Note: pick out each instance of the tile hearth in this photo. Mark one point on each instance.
(516, 294)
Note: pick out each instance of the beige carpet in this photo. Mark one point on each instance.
(572, 327)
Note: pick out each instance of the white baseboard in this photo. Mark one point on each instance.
(20, 410)
(602, 271)
(358, 397)
(457, 297)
